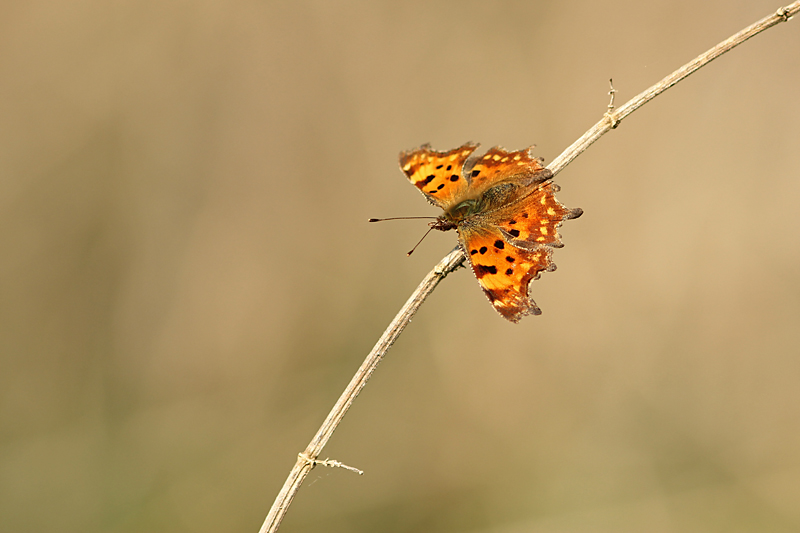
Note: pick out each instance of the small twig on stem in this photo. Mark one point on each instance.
(308, 459)
(611, 121)
(328, 462)
(610, 113)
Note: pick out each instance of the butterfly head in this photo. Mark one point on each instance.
(443, 224)
(457, 215)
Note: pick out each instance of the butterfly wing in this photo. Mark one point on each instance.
(438, 175)
(499, 165)
(512, 245)
(533, 220)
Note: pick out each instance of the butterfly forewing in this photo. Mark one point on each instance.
(438, 175)
(505, 271)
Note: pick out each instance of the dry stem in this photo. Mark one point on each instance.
(308, 459)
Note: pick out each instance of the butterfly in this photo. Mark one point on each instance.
(503, 206)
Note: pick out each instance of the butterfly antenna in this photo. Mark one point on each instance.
(396, 218)
(422, 239)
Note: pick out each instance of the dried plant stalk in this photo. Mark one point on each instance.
(308, 459)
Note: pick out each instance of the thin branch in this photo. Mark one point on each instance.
(612, 120)
(308, 459)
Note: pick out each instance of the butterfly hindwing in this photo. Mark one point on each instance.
(512, 246)
(533, 220)
(498, 165)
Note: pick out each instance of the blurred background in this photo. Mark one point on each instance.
(188, 281)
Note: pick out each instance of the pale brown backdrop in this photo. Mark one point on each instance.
(187, 278)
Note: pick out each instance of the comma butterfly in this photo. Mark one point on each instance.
(504, 208)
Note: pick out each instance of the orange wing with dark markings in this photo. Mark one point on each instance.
(513, 245)
(504, 272)
(438, 175)
(498, 165)
(534, 219)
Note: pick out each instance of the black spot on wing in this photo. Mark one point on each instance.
(482, 270)
(495, 294)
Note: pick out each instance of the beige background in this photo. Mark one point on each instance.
(188, 281)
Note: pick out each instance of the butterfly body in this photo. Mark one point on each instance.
(503, 206)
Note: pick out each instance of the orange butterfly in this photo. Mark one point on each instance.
(504, 208)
